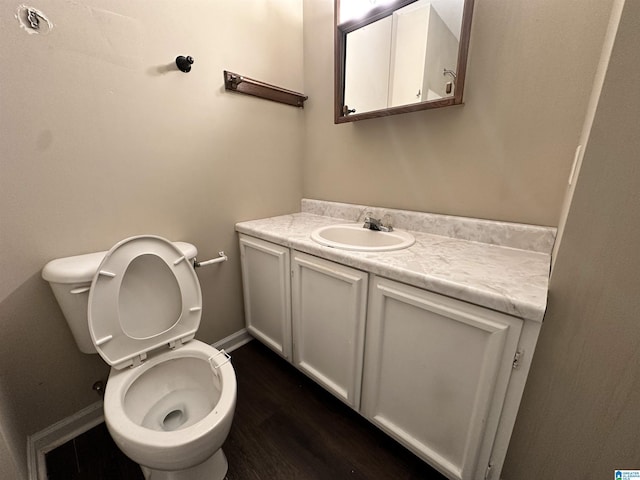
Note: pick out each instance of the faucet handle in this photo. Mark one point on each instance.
(370, 222)
(386, 223)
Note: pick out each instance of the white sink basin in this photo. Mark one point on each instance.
(352, 236)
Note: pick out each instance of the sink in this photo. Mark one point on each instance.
(352, 236)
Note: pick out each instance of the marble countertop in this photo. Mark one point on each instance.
(505, 279)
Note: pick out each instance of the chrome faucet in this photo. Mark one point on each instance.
(378, 225)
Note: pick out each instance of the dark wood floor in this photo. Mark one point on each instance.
(285, 427)
(91, 456)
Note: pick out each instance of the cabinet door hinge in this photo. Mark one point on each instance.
(487, 472)
(517, 358)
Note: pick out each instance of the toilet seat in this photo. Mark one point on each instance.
(144, 296)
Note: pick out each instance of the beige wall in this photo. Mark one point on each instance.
(10, 467)
(580, 417)
(505, 154)
(603, 64)
(102, 139)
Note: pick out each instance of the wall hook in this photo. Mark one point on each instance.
(184, 63)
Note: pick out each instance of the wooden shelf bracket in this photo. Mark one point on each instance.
(241, 84)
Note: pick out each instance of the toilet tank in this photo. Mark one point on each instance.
(70, 279)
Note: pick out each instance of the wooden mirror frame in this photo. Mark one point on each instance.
(341, 31)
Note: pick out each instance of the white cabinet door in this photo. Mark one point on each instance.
(435, 375)
(266, 285)
(329, 307)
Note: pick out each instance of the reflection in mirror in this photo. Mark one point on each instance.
(400, 56)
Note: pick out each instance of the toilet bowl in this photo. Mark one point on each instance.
(170, 399)
(173, 411)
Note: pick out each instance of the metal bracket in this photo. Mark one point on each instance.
(517, 358)
(487, 472)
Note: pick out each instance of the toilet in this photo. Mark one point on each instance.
(169, 399)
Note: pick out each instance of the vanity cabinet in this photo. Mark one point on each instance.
(441, 376)
(328, 311)
(436, 374)
(266, 282)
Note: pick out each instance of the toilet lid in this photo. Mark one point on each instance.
(144, 296)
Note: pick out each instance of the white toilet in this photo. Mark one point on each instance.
(170, 399)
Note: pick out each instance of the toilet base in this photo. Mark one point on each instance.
(215, 468)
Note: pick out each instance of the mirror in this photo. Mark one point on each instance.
(399, 56)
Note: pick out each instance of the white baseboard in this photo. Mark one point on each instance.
(42, 442)
(233, 341)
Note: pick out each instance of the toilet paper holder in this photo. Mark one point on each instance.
(222, 258)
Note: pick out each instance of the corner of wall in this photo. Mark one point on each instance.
(598, 82)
